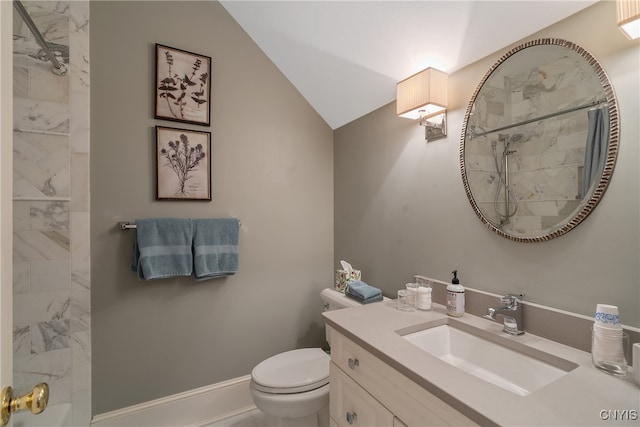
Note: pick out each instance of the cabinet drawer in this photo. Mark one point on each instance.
(350, 405)
(411, 403)
(358, 363)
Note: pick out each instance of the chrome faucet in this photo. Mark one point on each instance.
(511, 310)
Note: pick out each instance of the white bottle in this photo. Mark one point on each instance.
(455, 297)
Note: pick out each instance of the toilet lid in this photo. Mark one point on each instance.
(294, 371)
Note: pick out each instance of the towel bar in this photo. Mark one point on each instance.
(126, 225)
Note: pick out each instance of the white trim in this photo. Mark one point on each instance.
(194, 408)
(6, 191)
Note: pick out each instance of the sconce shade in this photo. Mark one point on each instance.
(425, 91)
(629, 17)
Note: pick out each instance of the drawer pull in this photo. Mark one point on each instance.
(354, 363)
(352, 417)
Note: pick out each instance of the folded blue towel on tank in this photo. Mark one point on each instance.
(363, 292)
(215, 247)
(162, 248)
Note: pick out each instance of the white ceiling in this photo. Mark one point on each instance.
(345, 57)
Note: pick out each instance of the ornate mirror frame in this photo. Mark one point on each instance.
(609, 162)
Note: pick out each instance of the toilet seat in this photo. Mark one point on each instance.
(295, 371)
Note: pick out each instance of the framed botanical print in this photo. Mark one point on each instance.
(183, 86)
(183, 164)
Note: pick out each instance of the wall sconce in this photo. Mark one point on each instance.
(424, 96)
(629, 17)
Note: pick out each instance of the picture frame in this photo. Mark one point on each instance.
(183, 164)
(183, 86)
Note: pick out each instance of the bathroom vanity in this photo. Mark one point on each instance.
(385, 373)
(369, 392)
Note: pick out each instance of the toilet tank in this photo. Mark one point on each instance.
(335, 300)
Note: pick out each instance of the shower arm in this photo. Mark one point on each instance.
(58, 68)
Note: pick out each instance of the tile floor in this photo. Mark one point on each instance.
(256, 418)
(253, 418)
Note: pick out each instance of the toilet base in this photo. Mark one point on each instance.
(293, 406)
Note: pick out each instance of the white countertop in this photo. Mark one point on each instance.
(576, 399)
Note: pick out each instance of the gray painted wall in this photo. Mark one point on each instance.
(272, 168)
(401, 209)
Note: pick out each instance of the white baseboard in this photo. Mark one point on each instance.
(192, 408)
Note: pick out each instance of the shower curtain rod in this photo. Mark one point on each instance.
(537, 119)
(58, 68)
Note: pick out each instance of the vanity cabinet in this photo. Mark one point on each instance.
(350, 405)
(365, 391)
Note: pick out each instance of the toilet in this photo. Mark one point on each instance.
(292, 388)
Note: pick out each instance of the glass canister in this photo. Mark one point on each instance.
(423, 295)
(412, 293)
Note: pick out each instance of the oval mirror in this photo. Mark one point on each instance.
(539, 140)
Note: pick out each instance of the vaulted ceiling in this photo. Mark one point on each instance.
(345, 57)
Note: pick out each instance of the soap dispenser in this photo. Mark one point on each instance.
(455, 297)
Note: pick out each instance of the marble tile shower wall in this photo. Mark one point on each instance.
(546, 157)
(51, 207)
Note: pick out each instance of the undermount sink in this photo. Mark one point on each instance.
(519, 369)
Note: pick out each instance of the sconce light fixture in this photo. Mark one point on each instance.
(424, 96)
(629, 17)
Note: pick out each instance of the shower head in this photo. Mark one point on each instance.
(516, 137)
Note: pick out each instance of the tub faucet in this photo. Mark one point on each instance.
(511, 310)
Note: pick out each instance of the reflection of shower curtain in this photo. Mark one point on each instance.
(597, 145)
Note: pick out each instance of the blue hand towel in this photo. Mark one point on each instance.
(215, 247)
(363, 292)
(162, 248)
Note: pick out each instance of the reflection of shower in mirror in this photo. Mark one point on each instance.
(529, 137)
(502, 168)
